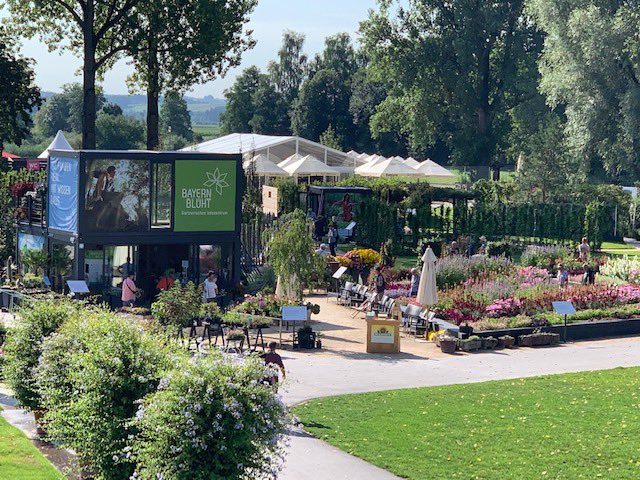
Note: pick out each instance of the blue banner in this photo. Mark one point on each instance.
(63, 194)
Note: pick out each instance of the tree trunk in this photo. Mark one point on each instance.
(153, 94)
(89, 80)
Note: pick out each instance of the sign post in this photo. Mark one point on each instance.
(564, 308)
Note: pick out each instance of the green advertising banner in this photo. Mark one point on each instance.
(205, 199)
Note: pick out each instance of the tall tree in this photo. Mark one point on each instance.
(323, 101)
(92, 29)
(290, 70)
(454, 70)
(178, 43)
(338, 55)
(115, 131)
(270, 109)
(590, 65)
(175, 117)
(240, 109)
(18, 94)
(63, 111)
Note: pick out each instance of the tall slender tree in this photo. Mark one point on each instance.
(290, 70)
(91, 29)
(177, 43)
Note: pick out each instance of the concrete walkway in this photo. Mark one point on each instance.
(312, 377)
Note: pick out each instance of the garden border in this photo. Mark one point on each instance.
(587, 330)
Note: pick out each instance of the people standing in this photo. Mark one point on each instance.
(562, 276)
(332, 237)
(415, 282)
(273, 358)
(129, 290)
(584, 250)
(380, 284)
(210, 287)
(319, 227)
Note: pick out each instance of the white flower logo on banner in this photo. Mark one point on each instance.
(218, 180)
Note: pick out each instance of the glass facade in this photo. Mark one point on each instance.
(161, 195)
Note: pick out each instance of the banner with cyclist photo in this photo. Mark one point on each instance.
(117, 195)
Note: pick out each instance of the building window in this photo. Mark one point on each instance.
(161, 187)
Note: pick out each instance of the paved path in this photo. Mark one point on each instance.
(317, 376)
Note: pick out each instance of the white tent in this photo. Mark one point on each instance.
(390, 168)
(58, 143)
(371, 161)
(411, 162)
(264, 167)
(290, 159)
(432, 169)
(309, 166)
(398, 157)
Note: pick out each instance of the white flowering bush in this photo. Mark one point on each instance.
(35, 321)
(211, 418)
(626, 269)
(90, 375)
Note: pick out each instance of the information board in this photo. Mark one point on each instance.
(205, 198)
(77, 286)
(63, 194)
(341, 271)
(563, 308)
(383, 334)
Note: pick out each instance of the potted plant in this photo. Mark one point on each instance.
(506, 341)
(489, 343)
(312, 308)
(447, 343)
(235, 340)
(306, 337)
(470, 344)
(318, 340)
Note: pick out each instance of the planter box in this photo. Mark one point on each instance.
(506, 341)
(539, 339)
(448, 346)
(467, 346)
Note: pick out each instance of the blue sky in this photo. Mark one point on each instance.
(315, 18)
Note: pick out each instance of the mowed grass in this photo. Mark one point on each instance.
(616, 246)
(208, 132)
(20, 459)
(573, 426)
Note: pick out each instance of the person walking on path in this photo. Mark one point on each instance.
(332, 235)
(129, 290)
(415, 282)
(273, 358)
(584, 250)
(563, 276)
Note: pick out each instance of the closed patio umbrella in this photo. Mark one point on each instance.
(427, 289)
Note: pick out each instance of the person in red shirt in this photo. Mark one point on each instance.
(272, 358)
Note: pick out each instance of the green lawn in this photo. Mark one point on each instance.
(208, 132)
(616, 246)
(584, 425)
(20, 459)
(621, 253)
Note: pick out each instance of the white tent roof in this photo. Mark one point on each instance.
(264, 167)
(411, 162)
(310, 166)
(290, 159)
(58, 143)
(390, 167)
(432, 169)
(281, 146)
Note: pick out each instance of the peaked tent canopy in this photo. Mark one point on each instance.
(309, 166)
(290, 159)
(411, 162)
(432, 169)
(264, 167)
(390, 168)
(58, 143)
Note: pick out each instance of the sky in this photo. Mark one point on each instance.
(315, 18)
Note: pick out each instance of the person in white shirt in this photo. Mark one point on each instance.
(322, 250)
(210, 287)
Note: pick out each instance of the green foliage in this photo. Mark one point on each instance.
(263, 280)
(211, 418)
(63, 111)
(177, 306)
(592, 219)
(34, 261)
(240, 109)
(290, 70)
(453, 81)
(331, 139)
(19, 95)
(288, 195)
(118, 132)
(377, 223)
(270, 109)
(90, 376)
(37, 320)
(175, 117)
(290, 248)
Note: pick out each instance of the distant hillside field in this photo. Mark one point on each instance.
(204, 111)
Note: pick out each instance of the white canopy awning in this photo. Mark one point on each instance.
(264, 167)
(58, 143)
(310, 166)
(411, 162)
(290, 159)
(390, 168)
(432, 169)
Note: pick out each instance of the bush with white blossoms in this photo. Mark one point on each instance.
(90, 375)
(212, 417)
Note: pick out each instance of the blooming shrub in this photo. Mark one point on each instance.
(212, 417)
(90, 375)
(36, 320)
(544, 255)
(397, 289)
(529, 276)
(626, 269)
(177, 306)
(365, 257)
(454, 270)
